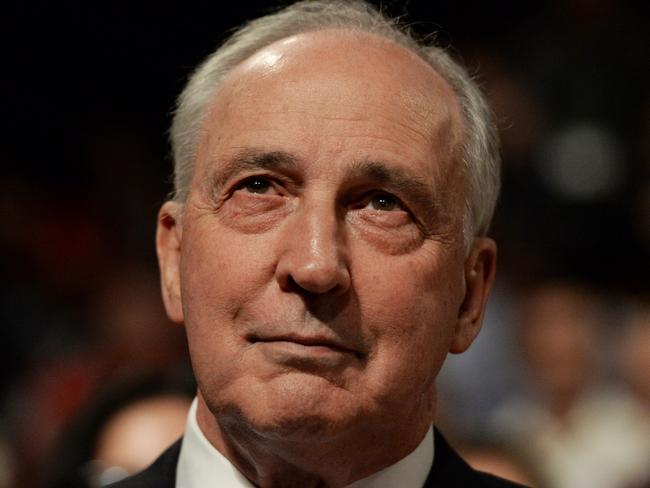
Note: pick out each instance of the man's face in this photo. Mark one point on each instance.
(319, 265)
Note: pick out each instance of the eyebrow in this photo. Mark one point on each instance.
(250, 159)
(420, 192)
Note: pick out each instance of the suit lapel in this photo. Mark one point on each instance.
(448, 468)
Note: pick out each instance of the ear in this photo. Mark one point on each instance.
(480, 268)
(168, 247)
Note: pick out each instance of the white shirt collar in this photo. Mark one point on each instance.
(201, 465)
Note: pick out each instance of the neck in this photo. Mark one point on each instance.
(272, 461)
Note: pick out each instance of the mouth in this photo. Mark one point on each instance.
(305, 346)
(304, 341)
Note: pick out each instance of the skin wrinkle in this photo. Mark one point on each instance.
(413, 128)
(398, 181)
(251, 159)
(257, 262)
(394, 179)
(415, 98)
(417, 104)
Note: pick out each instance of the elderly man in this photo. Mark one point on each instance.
(325, 250)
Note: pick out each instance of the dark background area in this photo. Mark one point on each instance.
(89, 90)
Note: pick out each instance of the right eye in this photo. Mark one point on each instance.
(256, 184)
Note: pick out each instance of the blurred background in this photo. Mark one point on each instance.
(557, 388)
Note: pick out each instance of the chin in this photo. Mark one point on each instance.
(294, 407)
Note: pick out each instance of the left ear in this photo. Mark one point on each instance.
(480, 268)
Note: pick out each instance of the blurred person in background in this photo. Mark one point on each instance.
(122, 430)
(572, 426)
(126, 332)
(633, 358)
(7, 464)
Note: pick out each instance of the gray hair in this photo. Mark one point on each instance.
(480, 152)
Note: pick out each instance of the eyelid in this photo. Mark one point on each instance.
(240, 181)
(365, 198)
(415, 212)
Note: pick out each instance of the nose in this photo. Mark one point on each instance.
(313, 256)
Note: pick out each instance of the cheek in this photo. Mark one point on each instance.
(221, 270)
(420, 289)
(411, 310)
(213, 290)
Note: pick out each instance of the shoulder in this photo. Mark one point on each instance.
(161, 474)
(449, 469)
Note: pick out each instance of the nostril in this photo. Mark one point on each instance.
(314, 280)
(290, 285)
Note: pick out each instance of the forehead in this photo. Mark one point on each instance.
(336, 89)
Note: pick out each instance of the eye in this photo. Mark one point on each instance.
(385, 202)
(256, 184)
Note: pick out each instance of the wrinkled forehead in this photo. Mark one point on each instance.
(356, 75)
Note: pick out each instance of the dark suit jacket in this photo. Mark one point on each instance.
(449, 470)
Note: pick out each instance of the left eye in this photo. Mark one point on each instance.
(256, 184)
(384, 201)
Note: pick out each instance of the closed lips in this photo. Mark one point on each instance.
(305, 341)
